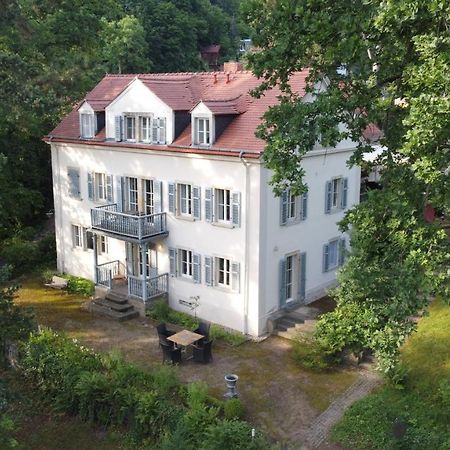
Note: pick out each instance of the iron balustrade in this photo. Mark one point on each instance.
(133, 225)
(148, 288)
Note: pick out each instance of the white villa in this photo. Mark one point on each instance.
(158, 179)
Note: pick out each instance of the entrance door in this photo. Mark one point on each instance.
(139, 266)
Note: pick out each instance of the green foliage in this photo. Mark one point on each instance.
(233, 409)
(15, 322)
(7, 425)
(162, 312)
(310, 354)
(154, 407)
(232, 435)
(231, 337)
(383, 64)
(79, 285)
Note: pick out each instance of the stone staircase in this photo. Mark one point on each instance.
(299, 321)
(115, 306)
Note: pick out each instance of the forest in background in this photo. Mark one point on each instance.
(54, 51)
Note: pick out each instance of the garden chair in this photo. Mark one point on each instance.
(203, 353)
(170, 353)
(203, 329)
(162, 329)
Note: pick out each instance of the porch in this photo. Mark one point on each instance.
(112, 275)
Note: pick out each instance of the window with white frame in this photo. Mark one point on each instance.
(185, 263)
(130, 128)
(222, 205)
(184, 200)
(184, 195)
(223, 272)
(336, 194)
(102, 245)
(100, 187)
(77, 236)
(293, 207)
(145, 129)
(333, 254)
(87, 125)
(132, 192)
(149, 196)
(202, 131)
(292, 278)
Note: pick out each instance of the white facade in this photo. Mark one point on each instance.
(255, 244)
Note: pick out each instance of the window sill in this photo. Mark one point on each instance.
(187, 218)
(223, 224)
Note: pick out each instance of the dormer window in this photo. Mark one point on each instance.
(87, 125)
(130, 128)
(146, 129)
(202, 131)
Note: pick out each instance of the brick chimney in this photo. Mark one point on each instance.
(232, 66)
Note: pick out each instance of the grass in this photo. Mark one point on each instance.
(370, 423)
(37, 427)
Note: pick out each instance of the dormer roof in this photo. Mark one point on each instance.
(223, 93)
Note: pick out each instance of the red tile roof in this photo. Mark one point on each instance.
(223, 93)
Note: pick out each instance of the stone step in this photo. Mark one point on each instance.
(120, 307)
(116, 298)
(116, 315)
(291, 334)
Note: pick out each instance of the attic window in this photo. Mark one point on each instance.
(87, 125)
(202, 131)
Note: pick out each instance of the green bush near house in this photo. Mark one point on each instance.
(230, 337)
(421, 406)
(309, 354)
(163, 313)
(154, 407)
(75, 285)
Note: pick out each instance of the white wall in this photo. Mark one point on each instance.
(216, 305)
(306, 236)
(137, 98)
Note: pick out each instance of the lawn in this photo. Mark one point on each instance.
(422, 408)
(280, 397)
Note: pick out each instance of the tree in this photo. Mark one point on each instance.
(370, 62)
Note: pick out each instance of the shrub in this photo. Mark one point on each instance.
(46, 248)
(231, 337)
(309, 353)
(7, 426)
(162, 312)
(21, 254)
(233, 409)
(232, 435)
(79, 285)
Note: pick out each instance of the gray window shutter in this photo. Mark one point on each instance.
(109, 188)
(304, 206)
(196, 272)
(118, 128)
(209, 279)
(162, 130)
(90, 181)
(325, 258)
(344, 187)
(328, 195)
(302, 276)
(172, 262)
(73, 175)
(84, 238)
(74, 240)
(196, 202)
(283, 207)
(236, 208)
(157, 196)
(342, 250)
(282, 280)
(119, 193)
(235, 276)
(209, 204)
(172, 202)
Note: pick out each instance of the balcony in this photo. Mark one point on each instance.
(132, 227)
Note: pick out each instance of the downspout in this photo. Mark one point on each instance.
(247, 244)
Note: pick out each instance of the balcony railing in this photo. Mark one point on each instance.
(146, 289)
(107, 218)
(107, 271)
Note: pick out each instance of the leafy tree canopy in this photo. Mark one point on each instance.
(370, 62)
